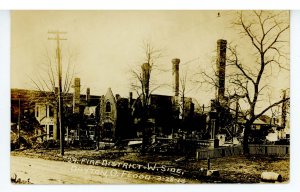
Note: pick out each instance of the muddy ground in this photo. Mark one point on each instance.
(235, 169)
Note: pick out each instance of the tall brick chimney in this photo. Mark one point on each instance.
(221, 64)
(88, 95)
(76, 95)
(175, 73)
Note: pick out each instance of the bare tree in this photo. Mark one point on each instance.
(247, 78)
(184, 90)
(46, 81)
(265, 32)
(143, 85)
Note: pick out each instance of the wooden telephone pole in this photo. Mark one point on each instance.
(57, 38)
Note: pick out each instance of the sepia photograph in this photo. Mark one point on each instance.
(150, 97)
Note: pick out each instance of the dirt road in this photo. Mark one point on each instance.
(40, 171)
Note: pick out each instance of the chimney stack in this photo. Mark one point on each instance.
(76, 95)
(175, 73)
(88, 96)
(221, 64)
(118, 97)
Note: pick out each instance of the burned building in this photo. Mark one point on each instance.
(121, 118)
(83, 116)
(79, 111)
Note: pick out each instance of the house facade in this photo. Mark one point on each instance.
(46, 115)
(108, 116)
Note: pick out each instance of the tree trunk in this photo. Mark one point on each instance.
(144, 131)
(246, 139)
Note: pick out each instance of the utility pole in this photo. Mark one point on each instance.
(60, 99)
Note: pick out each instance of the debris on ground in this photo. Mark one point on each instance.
(234, 169)
(14, 179)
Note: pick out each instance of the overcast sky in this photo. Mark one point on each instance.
(106, 45)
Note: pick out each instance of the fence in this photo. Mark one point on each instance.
(279, 150)
(219, 152)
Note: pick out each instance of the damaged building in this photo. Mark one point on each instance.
(120, 118)
(112, 118)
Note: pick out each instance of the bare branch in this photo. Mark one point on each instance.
(271, 106)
